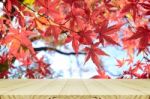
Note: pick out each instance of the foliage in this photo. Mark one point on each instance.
(89, 25)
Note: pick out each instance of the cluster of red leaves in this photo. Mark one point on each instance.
(88, 23)
(132, 72)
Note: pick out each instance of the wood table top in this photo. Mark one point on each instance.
(74, 89)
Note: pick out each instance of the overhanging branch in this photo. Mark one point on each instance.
(58, 51)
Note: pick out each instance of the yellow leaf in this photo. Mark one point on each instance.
(29, 2)
(39, 25)
(129, 16)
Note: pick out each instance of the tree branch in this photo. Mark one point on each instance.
(58, 51)
(49, 19)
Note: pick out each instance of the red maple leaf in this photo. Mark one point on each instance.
(132, 7)
(30, 73)
(101, 74)
(146, 73)
(132, 71)
(120, 63)
(54, 31)
(42, 67)
(146, 6)
(8, 5)
(48, 7)
(139, 65)
(143, 34)
(105, 31)
(26, 62)
(108, 4)
(74, 37)
(86, 36)
(93, 52)
(18, 39)
(4, 74)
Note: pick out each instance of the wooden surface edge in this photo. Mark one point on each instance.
(74, 96)
(74, 89)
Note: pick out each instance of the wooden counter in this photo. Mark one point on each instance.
(74, 89)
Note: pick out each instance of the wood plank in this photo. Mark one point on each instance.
(139, 85)
(121, 88)
(29, 89)
(74, 89)
(9, 85)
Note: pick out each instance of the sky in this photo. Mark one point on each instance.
(74, 67)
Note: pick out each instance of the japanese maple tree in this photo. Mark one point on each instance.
(89, 25)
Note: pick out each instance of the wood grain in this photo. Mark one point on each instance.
(74, 89)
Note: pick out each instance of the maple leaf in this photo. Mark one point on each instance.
(4, 74)
(147, 70)
(147, 13)
(83, 37)
(145, 75)
(17, 40)
(133, 72)
(101, 74)
(139, 65)
(129, 46)
(29, 2)
(147, 7)
(120, 63)
(74, 37)
(96, 77)
(97, 15)
(30, 73)
(143, 34)
(26, 62)
(71, 2)
(130, 60)
(42, 67)
(23, 52)
(105, 31)
(77, 21)
(19, 13)
(48, 7)
(109, 5)
(40, 23)
(8, 5)
(132, 7)
(78, 16)
(93, 52)
(86, 36)
(54, 31)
